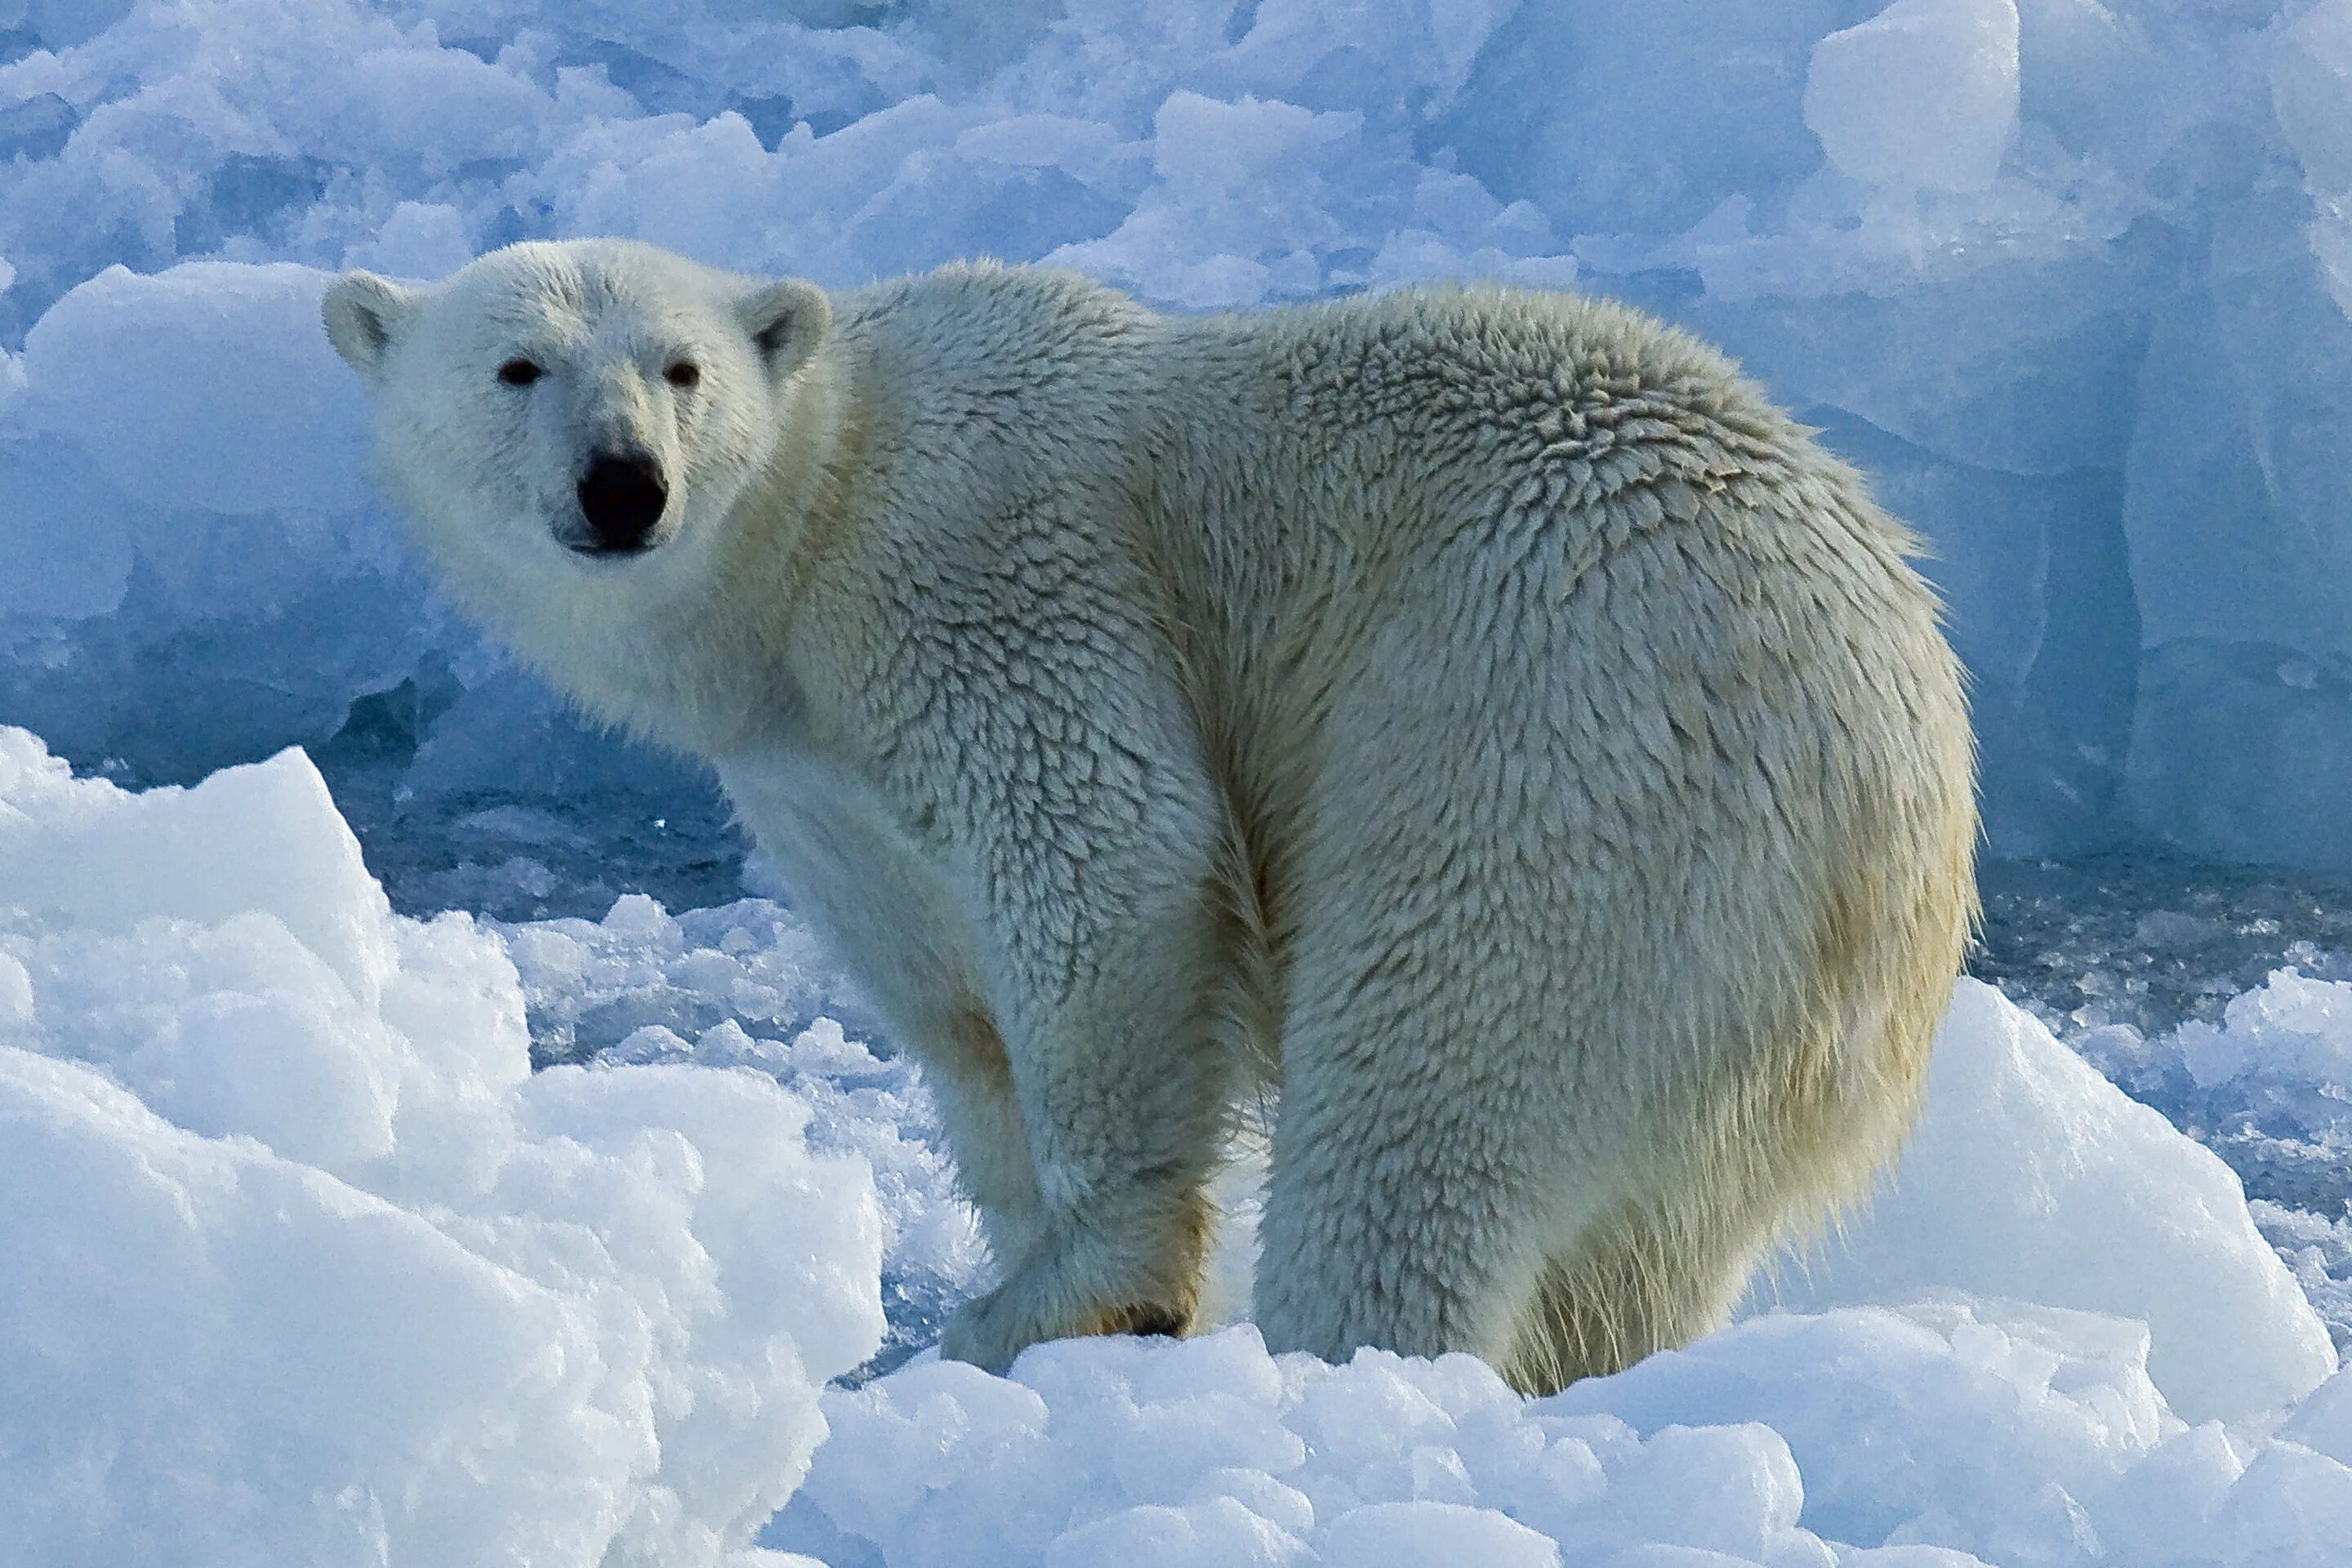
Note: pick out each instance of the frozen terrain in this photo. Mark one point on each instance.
(302, 1262)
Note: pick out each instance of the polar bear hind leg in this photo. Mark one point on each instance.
(1636, 1282)
(1578, 1022)
(1640, 1279)
(1516, 1191)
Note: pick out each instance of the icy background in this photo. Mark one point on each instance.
(303, 1263)
(2070, 279)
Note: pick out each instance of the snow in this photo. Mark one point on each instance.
(2031, 1177)
(304, 1264)
(2002, 1356)
(1897, 1437)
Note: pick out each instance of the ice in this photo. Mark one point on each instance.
(2031, 1177)
(2325, 1420)
(2069, 278)
(2294, 1030)
(1208, 1534)
(2320, 1250)
(84, 854)
(2311, 87)
(1946, 1432)
(1629, 117)
(2058, 1334)
(2263, 1085)
(2235, 749)
(1237, 215)
(1922, 97)
(304, 1264)
(746, 986)
(110, 369)
(1886, 1414)
(186, 486)
(420, 239)
(216, 999)
(1432, 1535)
(38, 126)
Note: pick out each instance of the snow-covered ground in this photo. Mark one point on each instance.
(301, 1262)
(304, 1263)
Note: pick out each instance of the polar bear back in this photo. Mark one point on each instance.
(1544, 558)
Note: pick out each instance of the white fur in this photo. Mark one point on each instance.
(1479, 711)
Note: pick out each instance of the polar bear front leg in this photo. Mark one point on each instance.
(1034, 731)
(1122, 1095)
(970, 1081)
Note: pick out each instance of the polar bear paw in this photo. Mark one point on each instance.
(1047, 1300)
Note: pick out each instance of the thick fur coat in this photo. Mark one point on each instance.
(1479, 713)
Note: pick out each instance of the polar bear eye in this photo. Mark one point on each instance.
(683, 373)
(518, 372)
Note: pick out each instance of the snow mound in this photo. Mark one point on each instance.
(1936, 1436)
(302, 1264)
(2030, 1176)
(746, 986)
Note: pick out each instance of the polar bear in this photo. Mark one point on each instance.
(1477, 717)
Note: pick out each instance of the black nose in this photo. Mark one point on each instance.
(622, 498)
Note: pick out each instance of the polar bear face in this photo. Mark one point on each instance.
(590, 407)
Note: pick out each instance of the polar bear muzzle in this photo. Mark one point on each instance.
(621, 496)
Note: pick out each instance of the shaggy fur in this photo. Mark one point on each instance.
(1478, 711)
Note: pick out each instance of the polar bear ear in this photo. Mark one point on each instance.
(365, 315)
(786, 320)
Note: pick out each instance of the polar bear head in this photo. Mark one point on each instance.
(576, 418)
